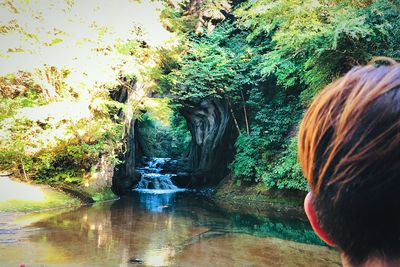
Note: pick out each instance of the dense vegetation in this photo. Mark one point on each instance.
(267, 59)
(161, 131)
(59, 122)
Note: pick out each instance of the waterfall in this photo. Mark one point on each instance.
(156, 176)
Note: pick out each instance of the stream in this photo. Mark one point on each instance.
(160, 225)
(156, 176)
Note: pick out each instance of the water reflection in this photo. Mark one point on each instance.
(154, 202)
(166, 230)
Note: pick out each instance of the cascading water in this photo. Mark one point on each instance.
(154, 176)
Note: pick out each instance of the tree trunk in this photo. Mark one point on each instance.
(245, 113)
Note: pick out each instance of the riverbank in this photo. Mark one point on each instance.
(18, 196)
(256, 198)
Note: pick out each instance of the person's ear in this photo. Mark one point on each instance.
(312, 217)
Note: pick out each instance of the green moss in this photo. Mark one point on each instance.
(245, 197)
(256, 194)
(165, 135)
(53, 199)
(102, 194)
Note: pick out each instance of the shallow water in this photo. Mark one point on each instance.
(175, 229)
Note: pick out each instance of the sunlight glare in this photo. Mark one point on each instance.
(68, 36)
(159, 257)
(13, 190)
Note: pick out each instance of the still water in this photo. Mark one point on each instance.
(169, 229)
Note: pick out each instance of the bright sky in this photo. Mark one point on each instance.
(73, 25)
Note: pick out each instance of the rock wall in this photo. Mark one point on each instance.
(102, 177)
(125, 175)
(130, 155)
(211, 148)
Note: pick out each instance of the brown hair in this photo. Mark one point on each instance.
(349, 150)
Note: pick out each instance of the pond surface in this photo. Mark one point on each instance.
(175, 229)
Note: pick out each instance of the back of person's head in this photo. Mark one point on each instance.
(349, 150)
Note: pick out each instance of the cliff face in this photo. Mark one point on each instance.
(210, 149)
(125, 175)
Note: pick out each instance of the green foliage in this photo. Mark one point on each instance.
(266, 58)
(128, 48)
(285, 172)
(270, 61)
(308, 45)
(213, 67)
(187, 17)
(179, 130)
(68, 158)
(248, 163)
(259, 153)
(159, 140)
(103, 194)
(161, 130)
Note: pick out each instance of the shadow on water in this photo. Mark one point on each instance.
(174, 229)
(192, 205)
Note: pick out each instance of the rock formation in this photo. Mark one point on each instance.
(210, 125)
(125, 175)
